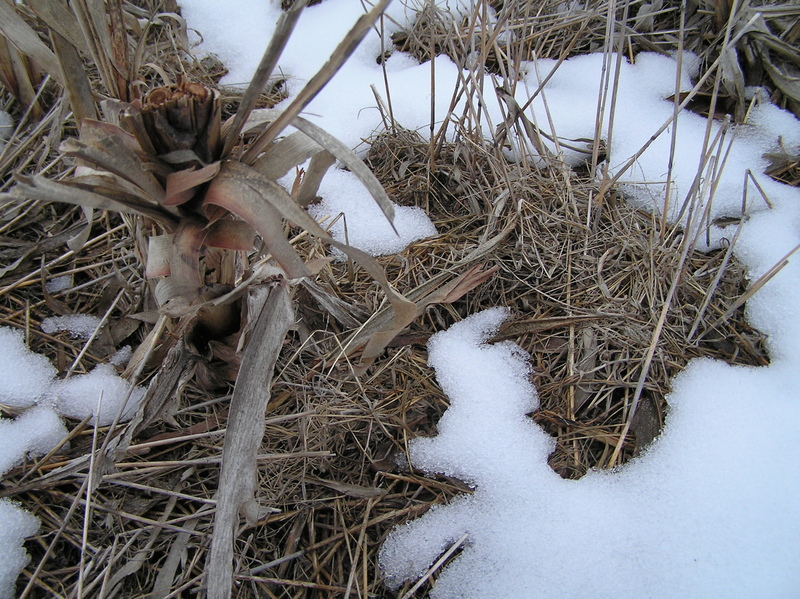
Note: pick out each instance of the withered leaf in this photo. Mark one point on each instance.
(42, 188)
(112, 153)
(251, 395)
(234, 190)
(181, 185)
(25, 39)
(231, 235)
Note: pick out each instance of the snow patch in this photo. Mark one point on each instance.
(24, 375)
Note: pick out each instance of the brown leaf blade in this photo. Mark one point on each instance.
(113, 155)
(230, 235)
(232, 190)
(58, 17)
(79, 90)
(343, 154)
(245, 430)
(25, 39)
(445, 294)
(42, 188)
(181, 185)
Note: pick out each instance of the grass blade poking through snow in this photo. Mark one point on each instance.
(283, 32)
(318, 81)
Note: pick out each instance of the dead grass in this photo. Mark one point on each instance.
(586, 281)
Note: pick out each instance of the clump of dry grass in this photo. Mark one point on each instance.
(586, 281)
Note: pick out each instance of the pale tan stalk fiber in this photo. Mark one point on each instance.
(245, 430)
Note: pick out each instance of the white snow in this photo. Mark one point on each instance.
(27, 380)
(33, 433)
(79, 326)
(24, 375)
(100, 394)
(15, 526)
(122, 356)
(57, 284)
(363, 225)
(710, 509)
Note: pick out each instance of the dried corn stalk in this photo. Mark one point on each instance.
(167, 158)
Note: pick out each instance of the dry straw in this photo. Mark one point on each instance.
(609, 302)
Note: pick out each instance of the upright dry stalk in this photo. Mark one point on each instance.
(237, 479)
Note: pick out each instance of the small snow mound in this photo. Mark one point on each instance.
(80, 326)
(79, 396)
(15, 526)
(58, 284)
(24, 376)
(364, 226)
(34, 433)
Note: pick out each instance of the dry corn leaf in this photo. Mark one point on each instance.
(94, 131)
(733, 80)
(319, 165)
(91, 16)
(262, 191)
(245, 429)
(231, 235)
(158, 255)
(76, 242)
(284, 155)
(251, 196)
(184, 260)
(447, 293)
(785, 76)
(26, 40)
(113, 155)
(76, 83)
(181, 185)
(234, 189)
(113, 186)
(60, 19)
(8, 76)
(342, 153)
(42, 188)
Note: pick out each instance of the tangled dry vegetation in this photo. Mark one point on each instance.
(587, 281)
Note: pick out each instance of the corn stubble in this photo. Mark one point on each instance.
(223, 248)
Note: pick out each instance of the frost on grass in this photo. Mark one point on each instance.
(709, 510)
(24, 376)
(15, 526)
